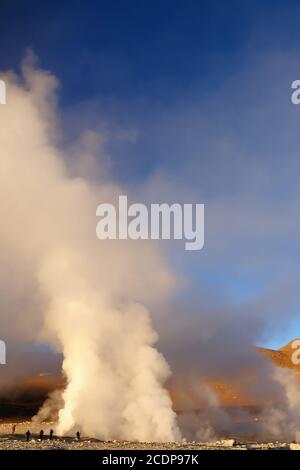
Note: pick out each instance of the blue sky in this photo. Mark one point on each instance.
(202, 89)
(147, 47)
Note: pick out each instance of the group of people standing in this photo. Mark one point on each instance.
(28, 434)
(51, 434)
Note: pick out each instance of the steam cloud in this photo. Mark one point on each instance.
(87, 299)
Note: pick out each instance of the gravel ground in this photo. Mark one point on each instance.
(17, 442)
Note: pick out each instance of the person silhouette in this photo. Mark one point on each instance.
(41, 434)
(51, 434)
(27, 435)
(78, 436)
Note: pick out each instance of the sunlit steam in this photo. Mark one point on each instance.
(86, 298)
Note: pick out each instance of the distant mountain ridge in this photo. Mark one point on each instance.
(26, 397)
(282, 357)
(230, 392)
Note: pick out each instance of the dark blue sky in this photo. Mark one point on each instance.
(152, 47)
(156, 48)
(205, 87)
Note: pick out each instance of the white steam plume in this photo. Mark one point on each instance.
(85, 297)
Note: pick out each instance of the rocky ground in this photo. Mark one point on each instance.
(17, 442)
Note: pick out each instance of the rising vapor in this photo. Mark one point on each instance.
(87, 299)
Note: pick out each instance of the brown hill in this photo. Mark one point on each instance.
(283, 356)
(234, 392)
(27, 396)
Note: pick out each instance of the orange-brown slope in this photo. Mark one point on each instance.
(233, 392)
(34, 390)
(283, 357)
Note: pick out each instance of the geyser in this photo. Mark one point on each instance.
(87, 299)
(90, 300)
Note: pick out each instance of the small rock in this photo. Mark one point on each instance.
(294, 446)
(227, 442)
